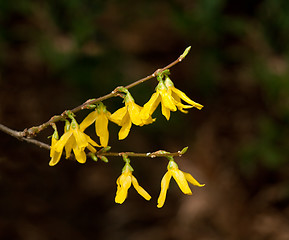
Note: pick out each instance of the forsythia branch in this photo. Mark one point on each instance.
(33, 131)
(77, 145)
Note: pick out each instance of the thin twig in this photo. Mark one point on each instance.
(20, 137)
(159, 153)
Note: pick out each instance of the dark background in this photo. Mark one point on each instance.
(54, 55)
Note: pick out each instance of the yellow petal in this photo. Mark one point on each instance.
(90, 141)
(117, 116)
(101, 129)
(69, 145)
(166, 112)
(55, 158)
(80, 155)
(62, 141)
(80, 138)
(134, 113)
(52, 148)
(184, 97)
(150, 106)
(192, 180)
(178, 103)
(181, 181)
(124, 183)
(91, 148)
(147, 121)
(124, 131)
(164, 187)
(88, 121)
(140, 190)
(167, 100)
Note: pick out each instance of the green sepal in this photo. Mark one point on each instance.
(55, 133)
(125, 158)
(127, 165)
(128, 97)
(172, 164)
(70, 114)
(122, 89)
(171, 158)
(74, 124)
(66, 126)
(162, 74)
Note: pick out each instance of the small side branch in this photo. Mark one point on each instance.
(159, 153)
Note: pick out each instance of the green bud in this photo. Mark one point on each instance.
(90, 106)
(185, 53)
(184, 150)
(103, 158)
(93, 157)
(105, 149)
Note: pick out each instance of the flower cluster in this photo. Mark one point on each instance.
(74, 139)
(126, 179)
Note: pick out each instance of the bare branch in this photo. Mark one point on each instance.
(21, 137)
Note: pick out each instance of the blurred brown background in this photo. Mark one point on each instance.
(56, 54)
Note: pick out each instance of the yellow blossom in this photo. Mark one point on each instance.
(180, 177)
(178, 95)
(170, 99)
(55, 156)
(127, 115)
(100, 116)
(73, 139)
(124, 182)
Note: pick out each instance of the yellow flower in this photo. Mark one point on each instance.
(160, 96)
(55, 156)
(178, 95)
(73, 139)
(127, 115)
(180, 177)
(170, 99)
(124, 182)
(100, 116)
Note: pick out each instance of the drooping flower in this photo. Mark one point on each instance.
(127, 115)
(124, 182)
(180, 177)
(100, 116)
(55, 156)
(73, 139)
(170, 99)
(178, 95)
